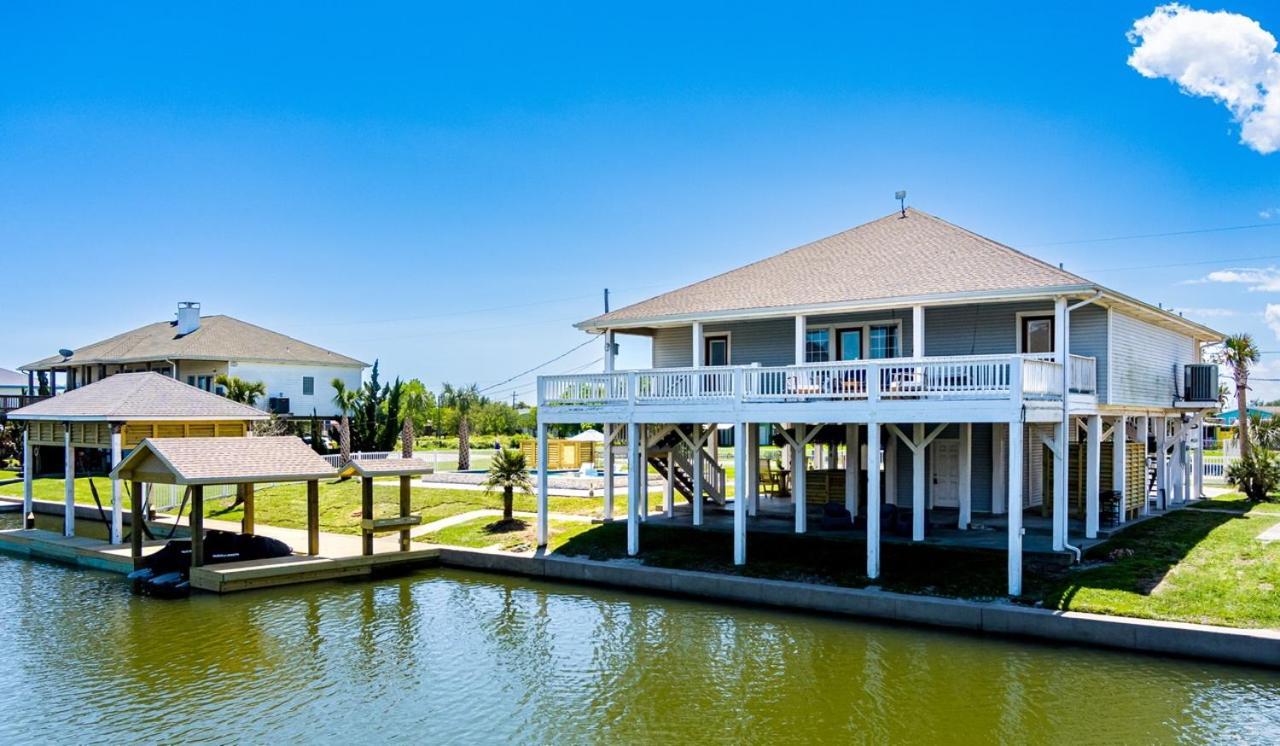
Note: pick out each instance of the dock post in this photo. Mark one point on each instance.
(116, 527)
(366, 514)
(69, 514)
(135, 522)
(542, 523)
(196, 522)
(313, 517)
(246, 495)
(406, 496)
(28, 472)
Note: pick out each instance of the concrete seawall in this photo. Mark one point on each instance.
(1223, 644)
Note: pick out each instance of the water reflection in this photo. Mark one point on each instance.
(468, 658)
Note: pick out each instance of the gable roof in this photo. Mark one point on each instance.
(388, 467)
(128, 397)
(218, 338)
(917, 256)
(283, 458)
(12, 378)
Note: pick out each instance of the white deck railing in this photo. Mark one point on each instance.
(961, 377)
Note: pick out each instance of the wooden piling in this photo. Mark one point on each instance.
(406, 495)
(135, 523)
(196, 522)
(366, 513)
(313, 517)
(246, 495)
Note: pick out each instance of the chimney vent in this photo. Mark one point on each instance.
(188, 317)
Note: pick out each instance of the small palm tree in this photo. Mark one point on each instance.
(236, 388)
(1240, 354)
(414, 404)
(345, 400)
(509, 472)
(462, 399)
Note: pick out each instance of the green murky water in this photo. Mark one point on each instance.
(464, 658)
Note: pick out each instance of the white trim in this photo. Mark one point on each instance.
(1111, 335)
(728, 351)
(1017, 328)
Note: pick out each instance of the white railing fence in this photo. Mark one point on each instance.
(1082, 374)
(335, 459)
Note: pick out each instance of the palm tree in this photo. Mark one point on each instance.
(462, 399)
(1240, 353)
(345, 400)
(236, 388)
(414, 405)
(508, 471)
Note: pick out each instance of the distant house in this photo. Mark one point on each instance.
(12, 383)
(197, 349)
(1230, 416)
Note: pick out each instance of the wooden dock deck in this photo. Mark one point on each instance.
(232, 576)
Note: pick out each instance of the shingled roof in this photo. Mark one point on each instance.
(282, 458)
(218, 338)
(128, 397)
(912, 256)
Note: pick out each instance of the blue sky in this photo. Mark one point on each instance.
(448, 189)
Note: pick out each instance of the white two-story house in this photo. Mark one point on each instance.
(924, 374)
(196, 349)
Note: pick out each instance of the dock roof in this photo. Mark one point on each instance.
(223, 461)
(144, 397)
(391, 467)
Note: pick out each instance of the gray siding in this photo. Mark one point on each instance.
(976, 329)
(1089, 338)
(1148, 359)
(980, 465)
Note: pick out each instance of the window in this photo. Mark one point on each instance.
(308, 386)
(1037, 334)
(884, 342)
(817, 346)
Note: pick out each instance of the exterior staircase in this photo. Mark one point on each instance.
(681, 478)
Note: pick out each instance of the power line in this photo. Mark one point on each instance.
(561, 356)
(1187, 264)
(1155, 235)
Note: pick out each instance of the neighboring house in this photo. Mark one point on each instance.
(197, 349)
(12, 383)
(1229, 416)
(935, 354)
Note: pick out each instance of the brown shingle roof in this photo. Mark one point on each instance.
(894, 257)
(229, 460)
(137, 397)
(390, 467)
(218, 338)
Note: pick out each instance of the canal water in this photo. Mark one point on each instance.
(444, 656)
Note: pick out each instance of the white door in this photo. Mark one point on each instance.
(944, 476)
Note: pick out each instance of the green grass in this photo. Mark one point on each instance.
(514, 536)
(1187, 566)
(1236, 502)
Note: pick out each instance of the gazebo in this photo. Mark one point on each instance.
(406, 469)
(201, 462)
(116, 414)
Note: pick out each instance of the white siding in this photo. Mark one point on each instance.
(1147, 361)
(286, 381)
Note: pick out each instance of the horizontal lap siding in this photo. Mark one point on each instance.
(1147, 358)
(976, 329)
(979, 472)
(673, 347)
(1089, 338)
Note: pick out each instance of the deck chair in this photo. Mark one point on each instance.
(770, 479)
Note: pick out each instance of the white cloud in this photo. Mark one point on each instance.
(1270, 212)
(1259, 279)
(1224, 56)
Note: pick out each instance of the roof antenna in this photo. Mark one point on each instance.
(901, 196)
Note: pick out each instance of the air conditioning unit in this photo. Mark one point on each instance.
(1200, 382)
(278, 405)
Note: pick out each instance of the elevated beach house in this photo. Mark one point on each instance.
(945, 380)
(197, 349)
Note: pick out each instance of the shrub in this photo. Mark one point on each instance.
(1257, 475)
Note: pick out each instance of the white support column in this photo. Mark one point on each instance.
(635, 463)
(643, 474)
(798, 479)
(697, 475)
(669, 489)
(1015, 508)
(739, 490)
(999, 467)
(542, 484)
(610, 356)
(698, 347)
(753, 469)
(1162, 471)
(1186, 465)
(117, 521)
(852, 462)
(917, 331)
(69, 515)
(917, 482)
(873, 499)
(1142, 428)
(1059, 455)
(610, 432)
(800, 330)
(28, 473)
(1092, 476)
(1197, 486)
(1119, 450)
(966, 475)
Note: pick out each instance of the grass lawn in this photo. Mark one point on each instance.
(1187, 566)
(1235, 501)
(514, 536)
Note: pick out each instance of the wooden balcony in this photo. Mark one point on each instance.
(10, 402)
(1002, 380)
